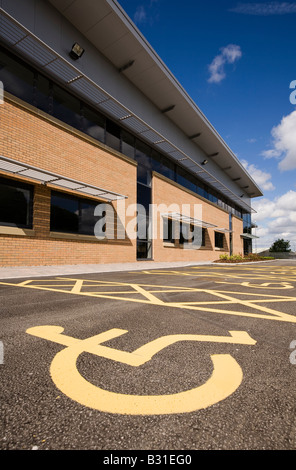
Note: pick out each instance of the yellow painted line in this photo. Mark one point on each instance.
(77, 286)
(150, 299)
(147, 294)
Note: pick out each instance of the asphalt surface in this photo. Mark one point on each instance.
(43, 408)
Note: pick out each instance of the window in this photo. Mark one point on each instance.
(93, 124)
(17, 78)
(168, 231)
(73, 215)
(219, 240)
(112, 135)
(66, 107)
(128, 144)
(185, 179)
(16, 203)
(184, 233)
(198, 235)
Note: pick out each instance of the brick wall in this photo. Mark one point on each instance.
(168, 193)
(30, 136)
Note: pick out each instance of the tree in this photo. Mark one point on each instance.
(280, 245)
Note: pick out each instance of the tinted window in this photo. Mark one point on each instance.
(64, 215)
(73, 215)
(16, 200)
(112, 135)
(128, 144)
(219, 239)
(168, 231)
(17, 78)
(93, 124)
(66, 107)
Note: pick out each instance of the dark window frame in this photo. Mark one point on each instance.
(169, 234)
(30, 205)
(80, 202)
(219, 239)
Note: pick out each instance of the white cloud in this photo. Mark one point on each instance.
(284, 143)
(260, 177)
(140, 15)
(228, 55)
(275, 219)
(265, 9)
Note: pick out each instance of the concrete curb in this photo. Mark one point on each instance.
(40, 271)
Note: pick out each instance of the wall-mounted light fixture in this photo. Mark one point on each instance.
(194, 136)
(126, 66)
(166, 110)
(204, 162)
(76, 51)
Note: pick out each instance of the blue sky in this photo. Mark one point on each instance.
(237, 60)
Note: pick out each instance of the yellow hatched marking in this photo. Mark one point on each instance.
(149, 297)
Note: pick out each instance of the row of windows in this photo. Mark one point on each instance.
(76, 215)
(185, 233)
(29, 85)
(68, 214)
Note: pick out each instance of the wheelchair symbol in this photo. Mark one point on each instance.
(225, 379)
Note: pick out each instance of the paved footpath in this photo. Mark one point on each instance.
(182, 358)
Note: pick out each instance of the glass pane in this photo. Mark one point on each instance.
(66, 108)
(144, 250)
(168, 230)
(127, 144)
(142, 154)
(185, 179)
(16, 77)
(64, 214)
(144, 175)
(143, 228)
(87, 220)
(112, 135)
(42, 95)
(219, 238)
(93, 124)
(144, 196)
(15, 204)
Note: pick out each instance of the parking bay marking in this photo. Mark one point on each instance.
(225, 379)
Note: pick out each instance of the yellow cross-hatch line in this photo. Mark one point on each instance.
(146, 293)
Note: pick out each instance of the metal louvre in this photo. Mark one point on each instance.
(16, 35)
(46, 177)
(88, 90)
(135, 124)
(190, 220)
(10, 31)
(113, 109)
(248, 235)
(224, 230)
(31, 48)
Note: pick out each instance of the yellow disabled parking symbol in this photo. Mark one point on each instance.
(225, 379)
